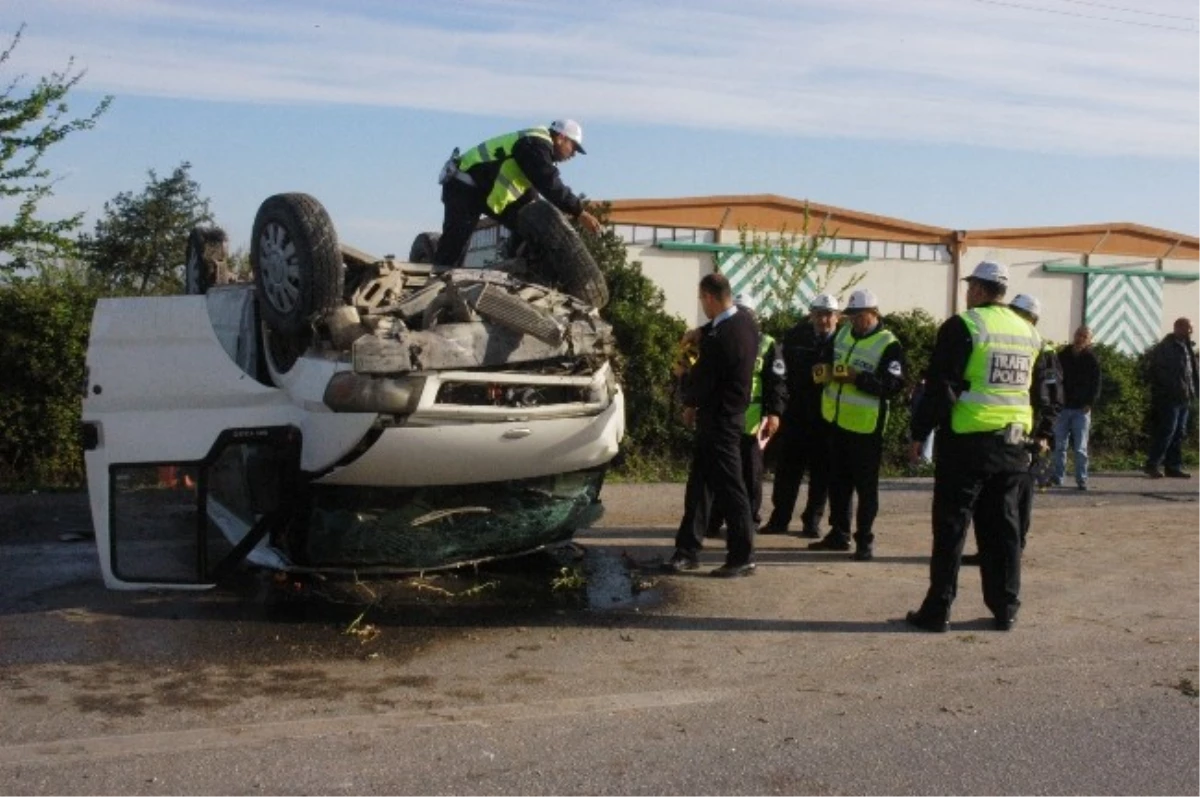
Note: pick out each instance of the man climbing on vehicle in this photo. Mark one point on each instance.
(502, 175)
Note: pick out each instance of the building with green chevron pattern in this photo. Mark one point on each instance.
(1129, 282)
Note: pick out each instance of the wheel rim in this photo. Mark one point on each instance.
(279, 267)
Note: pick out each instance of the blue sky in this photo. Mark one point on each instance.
(960, 113)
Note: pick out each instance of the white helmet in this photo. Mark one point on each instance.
(862, 300)
(746, 300)
(824, 301)
(569, 128)
(987, 271)
(1023, 301)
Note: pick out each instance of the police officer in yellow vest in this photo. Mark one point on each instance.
(981, 395)
(866, 372)
(503, 174)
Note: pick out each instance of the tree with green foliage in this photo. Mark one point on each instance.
(786, 261)
(140, 243)
(656, 442)
(31, 121)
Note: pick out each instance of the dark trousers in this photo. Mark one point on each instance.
(977, 476)
(1170, 427)
(463, 205)
(752, 474)
(717, 471)
(854, 469)
(802, 447)
(1025, 505)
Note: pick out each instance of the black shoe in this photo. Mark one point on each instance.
(971, 559)
(769, 529)
(830, 543)
(734, 571)
(1178, 473)
(1002, 624)
(921, 621)
(681, 561)
(811, 532)
(1153, 472)
(863, 553)
(1082, 486)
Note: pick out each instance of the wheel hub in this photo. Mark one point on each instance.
(279, 266)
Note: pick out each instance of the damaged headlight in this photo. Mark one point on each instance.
(348, 391)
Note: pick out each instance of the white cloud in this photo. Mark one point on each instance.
(1087, 79)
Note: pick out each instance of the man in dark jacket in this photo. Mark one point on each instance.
(803, 440)
(502, 175)
(716, 396)
(768, 395)
(1081, 386)
(1173, 388)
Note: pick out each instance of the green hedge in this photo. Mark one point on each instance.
(43, 342)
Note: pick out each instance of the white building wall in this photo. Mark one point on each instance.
(679, 275)
(1181, 299)
(901, 285)
(1061, 295)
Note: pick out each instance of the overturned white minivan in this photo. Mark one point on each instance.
(345, 413)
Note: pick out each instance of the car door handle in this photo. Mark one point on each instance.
(517, 434)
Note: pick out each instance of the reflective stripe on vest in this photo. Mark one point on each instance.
(754, 410)
(841, 402)
(511, 181)
(999, 371)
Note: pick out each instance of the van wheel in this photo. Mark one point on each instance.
(424, 247)
(560, 254)
(206, 259)
(297, 264)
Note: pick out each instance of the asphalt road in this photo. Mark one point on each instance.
(801, 679)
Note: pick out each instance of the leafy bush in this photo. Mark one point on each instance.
(43, 341)
(917, 331)
(1120, 419)
(656, 441)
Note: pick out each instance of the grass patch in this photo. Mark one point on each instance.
(569, 579)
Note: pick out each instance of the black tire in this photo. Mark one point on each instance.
(205, 259)
(558, 250)
(297, 264)
(424, 247)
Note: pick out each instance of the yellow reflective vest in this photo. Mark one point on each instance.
(844, 404)
(999, 371)
(511, 181)
(754, 411)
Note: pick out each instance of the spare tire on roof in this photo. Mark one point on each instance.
(205, 261)
(297, 263)
(424, 247)
(560, 254)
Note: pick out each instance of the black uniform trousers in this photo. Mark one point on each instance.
(463, 205)
(853, 469)
(1025, 505)
(706, 517)
(977, 475)
(716, 476)
(802, 447)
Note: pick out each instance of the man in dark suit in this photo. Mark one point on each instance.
(715, 400)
